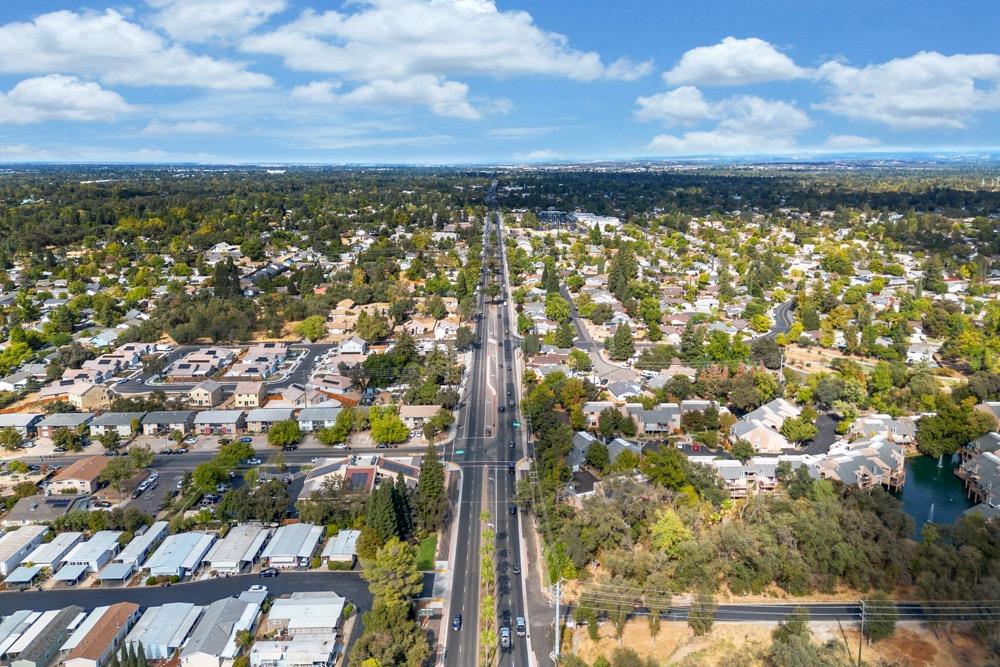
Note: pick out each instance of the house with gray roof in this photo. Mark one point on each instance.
(213, 640)
(292, 545)
(22, 422)
(261, 419)
(48, 426)
(118, 422)
(164, 421)
(162, 630)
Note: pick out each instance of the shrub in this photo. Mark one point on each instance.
(151, 581)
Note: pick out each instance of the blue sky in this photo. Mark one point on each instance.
(483, 81)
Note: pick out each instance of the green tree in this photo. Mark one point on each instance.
(556, 308)
(880, 617)
(284, 433)
(701, 615)
(386, 426)
(621, 345)
(597, 455)
(140, 457)
(382, 518)
(954, 425)
(313, 327)
(10, 439)
(668, 532)
(118, 473)
(207, 476)
(742, 451)
(110, 440)
(393, 576)
(579, 360)
(798, 430)
(431, 498)
(371, 328)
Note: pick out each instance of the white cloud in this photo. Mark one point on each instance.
(442, 97)
(850, 142)
(59, 97)
(746, 124)
(204, 20)
(678, 106)
(540, 154)
(114, 50)
(924, 91)
(184, 127)
(733, 62)
(397, 39)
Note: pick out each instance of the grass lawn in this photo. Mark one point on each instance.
(425, 553)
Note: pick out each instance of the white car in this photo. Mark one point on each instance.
(258, 588)
(153, 476)
(190, 441)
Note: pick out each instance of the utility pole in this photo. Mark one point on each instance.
(861, 636)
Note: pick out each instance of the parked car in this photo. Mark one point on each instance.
(289, 448)
(253, 462)
(268, 572)
(246, 439)
(258, 588)
(59, 449)
(190, 441)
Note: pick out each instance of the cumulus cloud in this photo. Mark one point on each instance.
(59, 97)
(925, 91)
(203, 20)
(114, 50)
(397, 39)
(850, 142)
(679, 106)
(734, 62)
(745, 124)
(156, 128)
(442, 97)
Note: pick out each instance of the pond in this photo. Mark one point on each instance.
(932, 493)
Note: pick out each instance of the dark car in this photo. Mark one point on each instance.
(268, 572)
(512, 509)
(510, 468)
(456, 622)
(511, 444)
(289, 448)
(502, 408)
(246, 439)
(516, 569)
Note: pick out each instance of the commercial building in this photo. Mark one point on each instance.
(239, 549)
(99, 635)
(162, 630)
(83, 476)
(17, 544)
(180, 555)
(293, 545)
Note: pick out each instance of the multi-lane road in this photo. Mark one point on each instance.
(485, 455)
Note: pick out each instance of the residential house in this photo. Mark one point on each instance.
(865, 464)
(663, 419)
(50, 555)
(95, 641)
(299, 651)
(162, 630)
(762, 437)
(179, 555)
(125, 424)
(316, 418)
(205, 394)
(24, 423)
(592, 411)
(238, 550)
(17, 544)
(415, 416)
(39, 648)
(81, 476)
(577, 457)
(96, 552)
(293, 545)
(261, 419)
(306, 613)
(50, 424)
(87, 396)
(162, 422)
(141, 546)
(43, 509)
(219, 422)
(213, 640)
(249, 395)
(354, 345)
(342, 548)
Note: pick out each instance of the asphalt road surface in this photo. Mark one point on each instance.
(486, 484)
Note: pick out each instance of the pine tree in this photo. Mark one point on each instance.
(431, 499)
(623, 269)
(140, 657)
(132, 659)
(381, 516)
(404, 507)
(622, 344)
(114, 660)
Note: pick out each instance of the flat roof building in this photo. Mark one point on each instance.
(96, 552)
(241, 547)
(293, 545)
(51, 554)
(342, 547)
(179, 555)
(306, 613)
(17, 544)
(162, 630)
(137, 551)
(300, 651)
